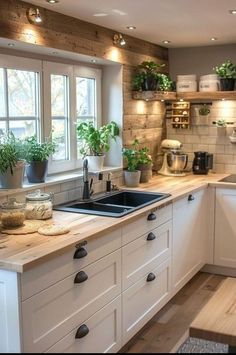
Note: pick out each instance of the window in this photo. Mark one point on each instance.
(19, 102)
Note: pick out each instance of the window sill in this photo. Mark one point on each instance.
(53, 180)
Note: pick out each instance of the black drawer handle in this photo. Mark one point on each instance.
(152, 217)
(82, 332)
(191, 198)
(151, 277)
(151, 236)
(80, 253)
(81, 277)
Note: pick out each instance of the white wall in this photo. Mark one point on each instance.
(112, 109)
(199, 60)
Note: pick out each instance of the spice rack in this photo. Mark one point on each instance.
(180, 115)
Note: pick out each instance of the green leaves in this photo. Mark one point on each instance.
(135, 156)
(226, 70)
(11, 151)
(35, 151)
(96, 141)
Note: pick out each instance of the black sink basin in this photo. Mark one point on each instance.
(118, 204)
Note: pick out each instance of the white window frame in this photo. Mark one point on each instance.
(96, 74)
(34, 65)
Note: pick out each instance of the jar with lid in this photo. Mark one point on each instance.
(12, 213)
(39, 205)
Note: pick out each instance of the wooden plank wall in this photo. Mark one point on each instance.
(142, 120)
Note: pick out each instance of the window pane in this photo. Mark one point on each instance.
(2, 94)
(21, 93)
(59, 134)
(2, 127)
(58, 95)
(85, 95)
(23, 129)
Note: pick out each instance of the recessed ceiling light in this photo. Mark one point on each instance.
(232, 12)
(214, 39)
(166, 41)
(100, 15)
(52, 1)
(11, 44)
(131, 28)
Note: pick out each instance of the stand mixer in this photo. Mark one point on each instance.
(175, 161)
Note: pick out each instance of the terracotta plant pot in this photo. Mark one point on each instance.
(36, 171)
(146, 172)
(15, 180)
(132, 178)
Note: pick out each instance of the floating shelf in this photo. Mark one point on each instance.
(188, 96)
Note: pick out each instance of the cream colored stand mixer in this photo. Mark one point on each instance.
(175, 161)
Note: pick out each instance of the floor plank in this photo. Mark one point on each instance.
(169, 328)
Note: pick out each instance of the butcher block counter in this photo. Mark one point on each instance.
(23, 252)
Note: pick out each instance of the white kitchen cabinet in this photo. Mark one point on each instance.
(190, 237)
(145, 298)
(225, 228)
(99, 334)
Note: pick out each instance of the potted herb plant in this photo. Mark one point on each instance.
(221, 125)
(146, 77)
(12, 164)
(227, 73)
(144, 164)
(37, 155)
(132, 174)
(202, 114)
(96, 142)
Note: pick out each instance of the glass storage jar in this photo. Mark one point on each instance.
(39, 205)
(12, 213)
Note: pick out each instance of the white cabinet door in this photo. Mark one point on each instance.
(190, 237)
(99, 334)
(225, 228)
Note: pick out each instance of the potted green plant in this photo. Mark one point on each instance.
(202, 115)
(204, 110)
(37, 155)
(96, 141)
(146, 76)
(227, 73)
(132, 174)
(165, 83)
(144, 163)
(12, 164)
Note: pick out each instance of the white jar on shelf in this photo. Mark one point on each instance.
(186, 83)
(209, 83)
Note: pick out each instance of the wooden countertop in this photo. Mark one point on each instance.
(21, 253)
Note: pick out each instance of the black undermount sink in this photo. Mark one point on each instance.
(117, 205)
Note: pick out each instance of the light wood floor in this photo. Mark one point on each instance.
(169, 328)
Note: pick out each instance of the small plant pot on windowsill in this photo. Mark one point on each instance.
(146, 172)
(36, 171)
(95, 162)
(15, 180)
(132, 178)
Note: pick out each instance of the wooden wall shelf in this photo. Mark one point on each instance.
(188, 96)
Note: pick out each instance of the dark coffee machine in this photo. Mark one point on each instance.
(202, 163)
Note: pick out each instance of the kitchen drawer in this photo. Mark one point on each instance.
(148, 251)
(143, 224)
(59, 267)
(104, 333)
(54, 312)
(144, 299)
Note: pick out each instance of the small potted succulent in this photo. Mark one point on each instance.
(146, 77)
(221, 125)
(132, 174)
(37, 155)
(95, 142)
(202, 115)
(12, 163)
(227, 73)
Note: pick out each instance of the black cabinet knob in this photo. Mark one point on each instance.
(82, 332)
(191, 198)
(81, 277)
(151, 277)
(151, 236)
(152, 217)
(80, 253)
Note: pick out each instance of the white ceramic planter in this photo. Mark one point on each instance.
(132, 178)
(15, 180)
(95, 162)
